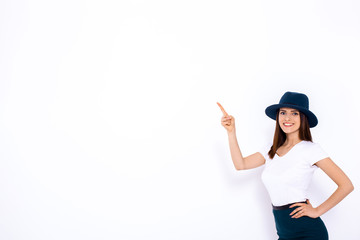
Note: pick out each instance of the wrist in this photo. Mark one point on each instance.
(318, 213)
(232, 132)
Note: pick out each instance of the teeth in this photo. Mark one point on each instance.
(287, 124)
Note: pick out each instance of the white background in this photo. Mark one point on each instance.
(109, 127)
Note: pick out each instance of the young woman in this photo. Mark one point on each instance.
(289, 166)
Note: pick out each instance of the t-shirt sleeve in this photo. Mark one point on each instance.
(317, 153)
(264, 151)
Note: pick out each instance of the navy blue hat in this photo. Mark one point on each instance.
(295, 100)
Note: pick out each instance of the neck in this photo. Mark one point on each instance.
(292, 139)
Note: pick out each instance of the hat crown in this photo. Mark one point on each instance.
(296, 99)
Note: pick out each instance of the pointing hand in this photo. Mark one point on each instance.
(227, 120)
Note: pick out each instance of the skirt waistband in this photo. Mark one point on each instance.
(285, 206)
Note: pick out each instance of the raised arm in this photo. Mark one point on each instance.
(240, 162)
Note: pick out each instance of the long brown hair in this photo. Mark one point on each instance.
(280, 136)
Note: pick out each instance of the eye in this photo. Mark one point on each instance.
(296, 113)
(282, 113)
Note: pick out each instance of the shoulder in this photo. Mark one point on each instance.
(313, 152)
(310, 145)
(265, 149)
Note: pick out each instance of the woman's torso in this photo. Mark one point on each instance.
(288, 175)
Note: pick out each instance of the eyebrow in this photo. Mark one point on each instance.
(291, 110)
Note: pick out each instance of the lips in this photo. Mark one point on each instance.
(288, 124)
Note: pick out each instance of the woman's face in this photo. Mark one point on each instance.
(289, 120)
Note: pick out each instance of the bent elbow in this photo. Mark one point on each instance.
(352, 187)
(349, 187)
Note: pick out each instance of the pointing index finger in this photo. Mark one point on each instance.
(222, 109)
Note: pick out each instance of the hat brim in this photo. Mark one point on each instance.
(271, 111)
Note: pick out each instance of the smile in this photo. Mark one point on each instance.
(287, 124)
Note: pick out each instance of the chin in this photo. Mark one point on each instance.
(289, 130)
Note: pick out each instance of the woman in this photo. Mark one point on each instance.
(289, 166)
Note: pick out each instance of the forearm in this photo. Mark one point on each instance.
(340, 193)
(236, 155)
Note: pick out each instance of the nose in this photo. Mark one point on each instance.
(288, 116)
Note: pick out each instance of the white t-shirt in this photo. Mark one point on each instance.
(287, 178)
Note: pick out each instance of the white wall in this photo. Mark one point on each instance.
(109, 127)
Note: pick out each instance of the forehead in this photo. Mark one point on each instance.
(288, 109)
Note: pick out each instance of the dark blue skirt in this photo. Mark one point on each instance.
(305, 227)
